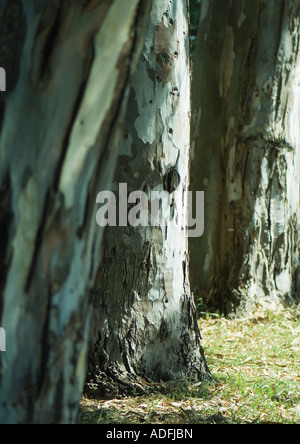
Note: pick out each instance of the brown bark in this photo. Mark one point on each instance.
(246, 153)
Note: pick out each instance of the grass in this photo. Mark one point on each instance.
(255, 365)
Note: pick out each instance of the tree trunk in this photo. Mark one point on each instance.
(145, 320)
(246, 150)
(67, 76)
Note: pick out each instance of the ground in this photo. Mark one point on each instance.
(255, 366)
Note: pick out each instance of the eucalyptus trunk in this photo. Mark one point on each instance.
(145, 322)
(246, 152)
(67, 69)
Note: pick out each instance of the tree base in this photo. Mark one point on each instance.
(116, 383)
(110, 380)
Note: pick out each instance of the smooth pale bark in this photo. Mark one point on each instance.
(246, 148)
(67, 65)
(145, 320)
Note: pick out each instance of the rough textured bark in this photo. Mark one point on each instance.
(68, 65)
(145, 320)
(246, 153)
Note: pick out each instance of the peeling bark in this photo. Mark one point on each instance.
(145, 322)
(68, 67)
(246, 146)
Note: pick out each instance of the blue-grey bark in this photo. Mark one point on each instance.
(145, 322)
(68, 65)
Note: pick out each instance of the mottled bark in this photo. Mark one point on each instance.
(68, 65)
(145, 320)
(246, 149)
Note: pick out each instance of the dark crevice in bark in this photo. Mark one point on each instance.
(45, 350)
(278, 35)
(6, 218)
(86, 218)
(264, 142)
(38, 242)
(76, 107)
(58, 405)
(278, 95)
(2, 111)
(51, 30)
(49, 45)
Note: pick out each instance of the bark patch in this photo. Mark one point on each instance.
(171, 180)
